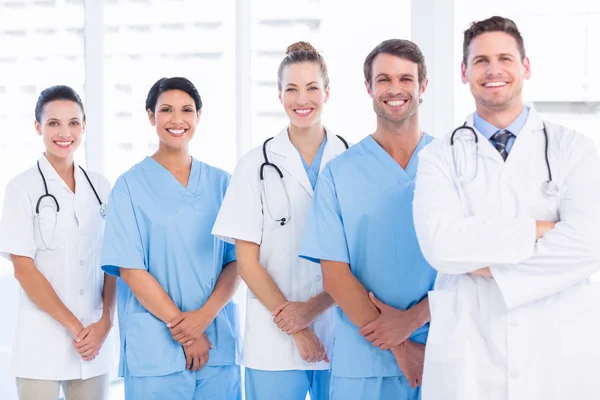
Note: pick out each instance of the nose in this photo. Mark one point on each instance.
(302, 97)
(493, 68)
(176, 117)
(64, 131)
(394, 88)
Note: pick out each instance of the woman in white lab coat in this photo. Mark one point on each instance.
(51, 229)
(289, 320)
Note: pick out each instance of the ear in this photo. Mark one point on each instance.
(368, 89)
(280, 97)
(527, 66)
(422, 89)
(327, 94)
(38, 128)
(83, 123)
(463, 72)
(151, 117)
(198, 114)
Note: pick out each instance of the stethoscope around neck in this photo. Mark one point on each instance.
(284, 220)
(549, 187)
(48, 195)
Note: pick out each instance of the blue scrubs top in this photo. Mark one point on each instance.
(488, 130)
(156, 224)
(361, 214)
(312, 170)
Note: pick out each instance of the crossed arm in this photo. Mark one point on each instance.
(382, 325)
(294, 318)
(188, 328)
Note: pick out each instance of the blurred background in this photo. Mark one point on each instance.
(112, 51)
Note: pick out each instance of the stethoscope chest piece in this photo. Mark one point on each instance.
(551, 188)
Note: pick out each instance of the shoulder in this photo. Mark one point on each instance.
(573, 145)
(25, 180)
(100, 182)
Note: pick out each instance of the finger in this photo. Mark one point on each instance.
(197, 363)
(83, 334)
(279, 308)
(278, 318)
(89, 353)
(377, 343)
(371, 337)
(294, 330)
(188, 343)
(188, 361)
(85, 348)
(376, 301)
(176, 321)
(177, 330)
(369, 328)
(203, 360)
(326, 357)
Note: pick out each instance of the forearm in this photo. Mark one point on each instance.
(109, 298)
(150, 294)
(348, 293)
(320, 303)
(42, 294)
(256, 277)
(226, 286)
(420, 313)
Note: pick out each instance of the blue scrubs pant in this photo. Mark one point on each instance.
(210, 383)
(380, 388)
(287, 385)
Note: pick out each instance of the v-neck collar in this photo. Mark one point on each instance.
(155, 167)
(390, 165)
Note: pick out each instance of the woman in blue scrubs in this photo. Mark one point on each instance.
(178, 325)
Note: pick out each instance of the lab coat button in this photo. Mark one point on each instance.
(81, 292)
(81, 263)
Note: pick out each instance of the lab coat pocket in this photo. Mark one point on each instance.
(150, 350)
(577, 341)
(445, 375)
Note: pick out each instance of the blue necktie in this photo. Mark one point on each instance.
(500, 141)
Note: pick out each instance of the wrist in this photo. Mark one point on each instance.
(106, 320)
(74, 326)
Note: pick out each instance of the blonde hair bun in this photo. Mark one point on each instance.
(300, 46)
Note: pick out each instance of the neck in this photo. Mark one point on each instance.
(307, 140)
(399, 139)
(500, 118)
(64, 167)
(173, 159)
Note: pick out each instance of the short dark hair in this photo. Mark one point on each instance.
(302, 52)
(53, 93)
(400, 48)
(492, 24)
(177, 83)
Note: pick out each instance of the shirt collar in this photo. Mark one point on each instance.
(488, 130)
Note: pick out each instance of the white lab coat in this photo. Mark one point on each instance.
(43, 349)
(244, 215)
(532, 332)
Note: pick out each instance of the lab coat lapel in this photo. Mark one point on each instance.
(484, 147)
(289, 159)
(333, 147)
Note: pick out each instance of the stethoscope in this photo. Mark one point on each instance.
(48, 195)
(549, 187)
(282, 221)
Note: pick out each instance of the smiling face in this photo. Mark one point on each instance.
(303, 94)
(495, 71)
(61, 127)
(395, 88)
(175, 119)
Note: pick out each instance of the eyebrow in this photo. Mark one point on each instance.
(387, 75)
(168, 105)
(308, 84)
(56, 119)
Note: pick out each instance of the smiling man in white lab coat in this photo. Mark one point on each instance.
(507, 210)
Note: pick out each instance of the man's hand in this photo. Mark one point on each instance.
(90, 340)
(485, 272)
(293, 316)
(392, 327)
(310, 347)
(541, 227)
(189, 326)
(196, 354)
(410, 357)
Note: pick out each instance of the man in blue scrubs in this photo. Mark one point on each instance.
(360, 229)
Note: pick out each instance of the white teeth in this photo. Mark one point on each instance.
(63, 143)
(495, 84)
(395, 103)
(305, 111)
(176, 131)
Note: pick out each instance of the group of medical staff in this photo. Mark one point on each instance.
(399, 267)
